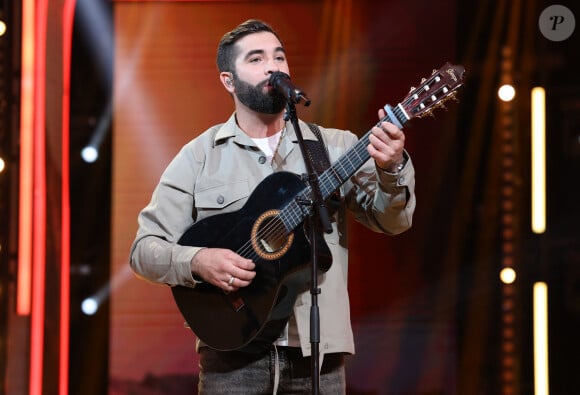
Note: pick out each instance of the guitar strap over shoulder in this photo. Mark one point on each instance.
(318, 153)
(317, 150)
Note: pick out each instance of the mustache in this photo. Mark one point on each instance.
(262, 84)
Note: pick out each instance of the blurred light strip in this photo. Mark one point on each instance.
(37, 312)
(67, 25)
(538, 160)
(541, 378)
(25, 210)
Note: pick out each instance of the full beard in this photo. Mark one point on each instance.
(254, 98)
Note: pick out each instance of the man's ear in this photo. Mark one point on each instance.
(228, 80)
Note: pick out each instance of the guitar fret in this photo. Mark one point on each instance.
(294, 213)
(294, 216)
(334, 173)
(325, 188)
(399, 113)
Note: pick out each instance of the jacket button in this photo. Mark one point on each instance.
(220, 199)
(262, 160)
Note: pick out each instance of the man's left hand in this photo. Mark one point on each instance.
(386, 145)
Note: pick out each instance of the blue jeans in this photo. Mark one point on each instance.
(244, 373)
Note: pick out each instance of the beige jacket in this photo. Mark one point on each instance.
(217, 171)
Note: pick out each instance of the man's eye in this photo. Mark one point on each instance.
(254, 60)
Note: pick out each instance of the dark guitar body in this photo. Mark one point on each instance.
(253, 317)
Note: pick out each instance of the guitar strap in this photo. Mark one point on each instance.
(318, 153)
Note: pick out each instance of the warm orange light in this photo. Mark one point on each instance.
(68, 19)
(26, 160)
(33, 214)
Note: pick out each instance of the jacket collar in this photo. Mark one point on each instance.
(230, 129)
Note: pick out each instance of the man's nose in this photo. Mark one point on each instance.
(272, 66)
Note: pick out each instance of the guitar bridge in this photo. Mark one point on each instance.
(266, 246)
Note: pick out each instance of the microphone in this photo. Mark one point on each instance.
(281, 82)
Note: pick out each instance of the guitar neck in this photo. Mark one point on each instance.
(354, 158)
(332, 178)
(419, 102)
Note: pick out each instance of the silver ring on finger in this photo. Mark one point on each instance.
(231, 281)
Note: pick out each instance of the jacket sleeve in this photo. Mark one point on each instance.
(155, 253)
(382, 201)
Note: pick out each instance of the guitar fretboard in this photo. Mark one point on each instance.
(294, 213)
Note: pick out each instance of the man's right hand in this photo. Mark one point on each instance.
(223, 268)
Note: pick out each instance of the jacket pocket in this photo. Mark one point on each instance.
(232, 195)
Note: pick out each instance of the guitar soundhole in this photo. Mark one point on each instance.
(270, 238)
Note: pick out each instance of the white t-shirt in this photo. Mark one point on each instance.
(269, 144)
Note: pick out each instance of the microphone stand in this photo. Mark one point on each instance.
(317, 220)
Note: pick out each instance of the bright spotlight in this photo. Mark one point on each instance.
(507, 275)
(89, 154)
(90, 306)
(538, 158)
(2, 165)
(2, 28)
(506, 92)
(540, 322)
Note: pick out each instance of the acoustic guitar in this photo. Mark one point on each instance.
(270, 230)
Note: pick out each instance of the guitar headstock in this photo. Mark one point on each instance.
(441, 86)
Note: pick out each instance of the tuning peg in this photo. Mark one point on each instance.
(423, 80)
(412, 89)
(434, 71)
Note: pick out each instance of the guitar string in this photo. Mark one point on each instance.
(276, 230)
(276, 227)
(326, 175)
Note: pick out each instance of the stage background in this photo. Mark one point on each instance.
(351, 57)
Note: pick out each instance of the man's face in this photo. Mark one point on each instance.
(260, 54)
